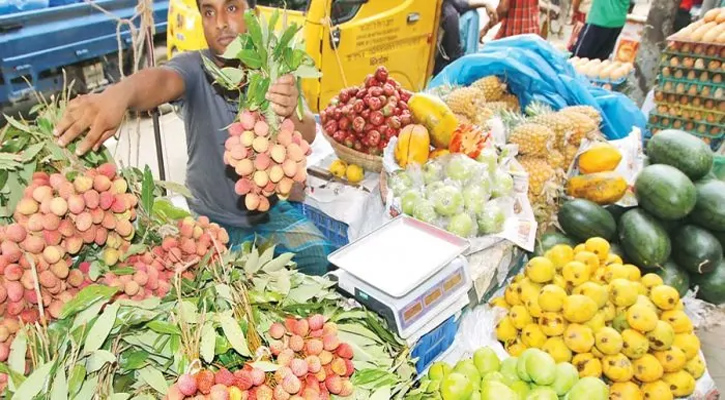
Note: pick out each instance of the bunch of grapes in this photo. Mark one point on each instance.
(267, 162)
(365, 118)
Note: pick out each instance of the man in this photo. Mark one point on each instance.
(450, 46)
(207, 110)
(518, 17)
(605, 21)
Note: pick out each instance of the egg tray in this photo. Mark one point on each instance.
(709, 127)
(715, 92)
(714, 143)
(665, 61)
(698, 72)
(718, 101)
(673, 44)
(720, 115)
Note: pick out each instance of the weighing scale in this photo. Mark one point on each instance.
(411, 273)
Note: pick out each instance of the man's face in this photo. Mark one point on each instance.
(223, 21)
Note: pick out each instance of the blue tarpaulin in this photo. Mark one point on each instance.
(535, 70)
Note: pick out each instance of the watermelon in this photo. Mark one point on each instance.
(720, 237)
(583, 219)
(681, 150)
(709, 211)
(665, 192)
(711, 285)
(696, 250)
(616, 210)
(675, 276)
(643, 239)
(549, 240)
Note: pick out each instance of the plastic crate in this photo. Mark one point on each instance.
(335, 231)
(434, 343)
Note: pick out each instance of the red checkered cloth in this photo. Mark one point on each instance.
(522, 17)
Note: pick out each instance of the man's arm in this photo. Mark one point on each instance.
(102, 114)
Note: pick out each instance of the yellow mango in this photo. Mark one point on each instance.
(600, 157)
(600, 187)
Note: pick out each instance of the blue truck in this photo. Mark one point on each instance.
(37, 45)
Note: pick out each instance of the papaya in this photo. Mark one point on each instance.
(600, 157)
(599, 187)
(413, 145)
(431, 112)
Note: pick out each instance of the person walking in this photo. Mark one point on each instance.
(518, 17)
(599, 35)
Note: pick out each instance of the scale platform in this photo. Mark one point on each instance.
(411, 273)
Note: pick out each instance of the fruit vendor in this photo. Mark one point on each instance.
(207, 110)
(599, 35)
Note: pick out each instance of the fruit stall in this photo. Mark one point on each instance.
(518, 240)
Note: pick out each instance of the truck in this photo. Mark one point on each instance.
(348, 39)
(38, 47)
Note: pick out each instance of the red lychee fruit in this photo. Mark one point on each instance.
(316, 322)
(224, 377)
(258, 376)
(243, 379)
(313, 347)
(187, 385)
(204, 381)
(334, 384)
(345, 351)
(330, 342)
(296, 343)
(298, 367)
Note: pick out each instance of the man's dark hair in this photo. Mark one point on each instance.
(250, 3)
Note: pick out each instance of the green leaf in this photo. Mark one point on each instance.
(166, 209)
(265, 366)
(101, 328)
(208, 338)
(88, 314)
(251, 59)
(234, 75)
(120, 396)
(85, 298)
(17, 125)
(18, 348)
(154, 378)
(223, 290)
(98, 359)
(234, 334)
(176, 188)
(123, 271)
(187, 311)
(136, 248)
(76, 379)
(282, 284)
(88, 389)
(284, 40)
(3, 177)
(164, 327)
(147, 304)
(273, 20)
(307, 72)
(252, 265)
(254, 30)
(16, 378)
(32, 151)
(35, 382)
(381, 394)
(278, 263)
(96, 270)
(60, 385)
(233, 49)
(133, 360)
(267, 255)
(147, 191)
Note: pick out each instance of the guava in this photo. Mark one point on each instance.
(588, 388)
(424, 211)
(521, 369)
(493, 376)
(409, 199)
(439, 370)
(461, 225)
(432, 172)
(491, 219)
(509, 371)
(495, 390)
(447, 201)
(542, 393)
(432, 188)
(541, 368)
(566, 376)
(400, 182)
(466, 367)
(456, 386)
(489, 159)
(503, 184)
(474, 197)
(460, 168)
(486, 360)
(521, 388)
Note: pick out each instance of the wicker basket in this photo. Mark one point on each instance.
(352, 156)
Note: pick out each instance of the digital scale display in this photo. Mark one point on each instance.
(431, 298)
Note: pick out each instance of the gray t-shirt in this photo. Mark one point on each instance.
(206, 113)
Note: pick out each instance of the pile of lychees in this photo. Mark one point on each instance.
(312, 364)
(267, 162)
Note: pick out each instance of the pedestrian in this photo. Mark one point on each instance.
(450, 45)
(207, 110)
(518, 17)
(599, 35)
(684, 16)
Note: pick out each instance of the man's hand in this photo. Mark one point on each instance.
(283, 95)
(99, 114)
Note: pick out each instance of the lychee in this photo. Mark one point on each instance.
(316, 321)
(84, 221)
(313, 347)
(325, 357)
(89, 236)
(42, 193)
(330, 328)
(276, 347)
(92, 199)
(247, 120)
(101, 236)
(73, 244)
(245, 167)
(35, 223)
(334, 384)
(120, 203)
(58, 206)
(330, 342)
(338, 366)
(56, 180)
(187, 384)
(313, 364)
(264, 392)
(119, 186)
(82, 184)
(107, 169)
(14, 290)
(243, 379)
(52, 254)
(284, 137)
(109, 220)
(219, 392)
(75, 277)
(27, 206)
(285, 357)
(344, 350)
(106, 200)
(204, 381)
(251, 201)
(224, 377)
(124, 227)
(291, 384)
(261, 128)
(290, 168)
(260, 144)
(263, 204)
(277, 331)
(60, 269)
(347, 388)
(246, 138)
(101, 183)
(258, 376)
(15, 232)
(281, 394)
(298, 367)
(296, 343)
(51, 222)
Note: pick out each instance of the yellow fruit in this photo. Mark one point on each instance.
(641, 318)
(625, 391)
(579, 338)
(579, 248)
(661, 337)
(588, 258)
(600, 187)
(560, 254)
(681, 383)
(688, 343)
(533, 336)
(696, 367)
(594, 291)
(640, 288)
(610, 311)
(540, 270)
(430, 111)
(499, 302)
(511, 294)
(665, 297)
(598, 276)
(672, 360)
(338, 168)
(519, 317)
(657, 390)
(613, 259)
(647, 368)
(491, 86)
(587, 365)
(557, 349)
(597, 322)
(532, 305)
(599, 157)
(634, 273)
(617, 368)
(622, 292)
(354, 173)
(528, 289)
(645, 301)
(680, 306)
(620, 320)
(559, 281)
(598, 246)
(608, 341)
(634, 344)
(551, 298)
(515, 348)
(579, 308)
(575, 273)
(505, 330)
(598, 354)
(519, 277)
(678, 319)
(552, 323)
(532, 139)
(615, 271)
(651, 280)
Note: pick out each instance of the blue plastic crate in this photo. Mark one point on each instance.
(335, 231)
(434, 343)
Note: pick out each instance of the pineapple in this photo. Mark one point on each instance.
(569, 153)
(462, 119)
(536, 108)
(540, 173)
(491, 86)
(532, 139)
(589, 111)
(484, 114)
(557, 161)
(557, 123)
(581, 126)
(512, 101)
(499, 106)
(466, 101)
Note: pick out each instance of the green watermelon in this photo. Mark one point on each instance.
(549, 240)
(643, 239)
(696, 250)
(711, 285)
(665, 192)
(681, 150)
(675, 276)
(709, 211)
(583, 219)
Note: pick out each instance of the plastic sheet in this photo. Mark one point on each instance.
(15, 6)
(536, 71)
